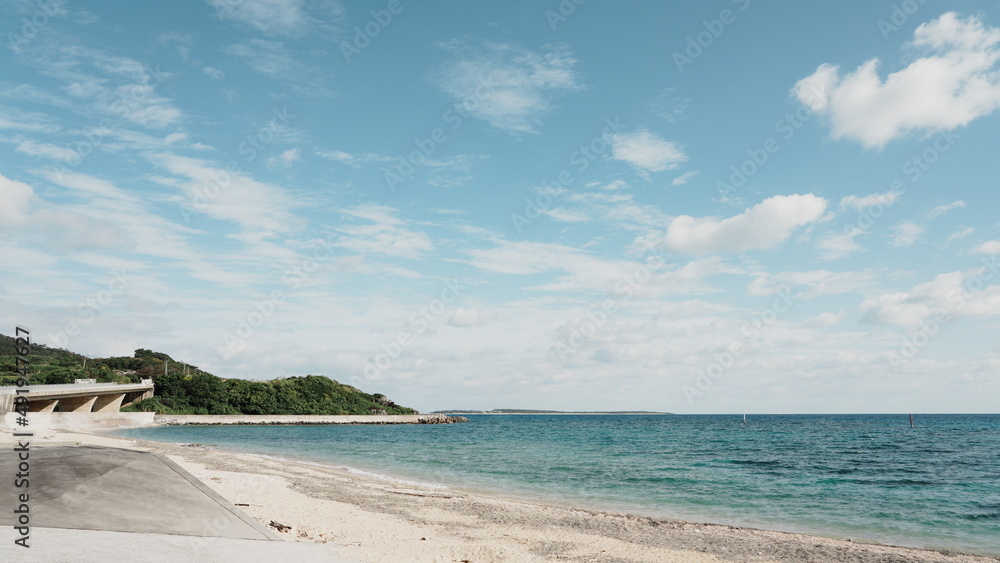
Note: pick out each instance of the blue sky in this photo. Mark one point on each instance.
(725, 206)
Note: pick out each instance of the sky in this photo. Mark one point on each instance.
(718, 206)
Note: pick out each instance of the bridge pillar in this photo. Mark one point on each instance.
(108, 403)
(77, 404)
(43, 405)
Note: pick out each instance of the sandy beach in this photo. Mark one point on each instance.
(370, 520)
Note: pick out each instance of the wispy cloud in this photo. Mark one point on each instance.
(275, 60)
(231, 195)
(684, 178)
(906, 233)
(282, 18)
(647, 151)
(380, 231)
(509, 87)
(942, 209)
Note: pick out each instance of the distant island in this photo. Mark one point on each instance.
(181, 388)
(531, 411)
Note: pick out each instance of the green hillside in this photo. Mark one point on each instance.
(185, 389)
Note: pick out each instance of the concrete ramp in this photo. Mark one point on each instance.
(115, 502)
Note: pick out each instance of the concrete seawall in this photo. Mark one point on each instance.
(80, 421)
(245, 419)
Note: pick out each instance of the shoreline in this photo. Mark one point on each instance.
(370, 519)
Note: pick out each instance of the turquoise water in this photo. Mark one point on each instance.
(860, 476)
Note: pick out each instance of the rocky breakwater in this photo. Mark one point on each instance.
(441, 419)
(259, 419)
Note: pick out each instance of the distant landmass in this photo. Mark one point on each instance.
(533, 411)
(180, 388)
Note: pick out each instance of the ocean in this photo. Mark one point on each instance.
(859, 476)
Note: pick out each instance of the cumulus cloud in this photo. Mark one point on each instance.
(764, 225)
(988, 247)
(647, 151)
(954, 84)
(954, 295)
(509, 87)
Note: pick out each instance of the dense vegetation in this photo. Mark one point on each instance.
(185, 389)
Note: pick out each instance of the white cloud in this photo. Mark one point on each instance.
(231, 196)
(955, 295)
(283, 160)
(988, 247)
(46, 150)
(942, 209)
(213, 73)
(509, 87)
(286, 18)
(861, 203)
(472, 317)
(954, 84)
(647, 151)
(565, 215)
(906, 233)
(810, 284)
(383, 233)
(824, 320)
(274, 59)
(684, 178)
(356, 159)
(841, 245)
(764, 225)
(960, 234)
(16, 197)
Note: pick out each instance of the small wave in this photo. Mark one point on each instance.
(988, 516)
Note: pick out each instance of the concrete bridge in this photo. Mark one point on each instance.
(78, 397)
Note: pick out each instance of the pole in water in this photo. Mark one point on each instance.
(911, 421)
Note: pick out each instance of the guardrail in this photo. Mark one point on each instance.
(6, 389)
